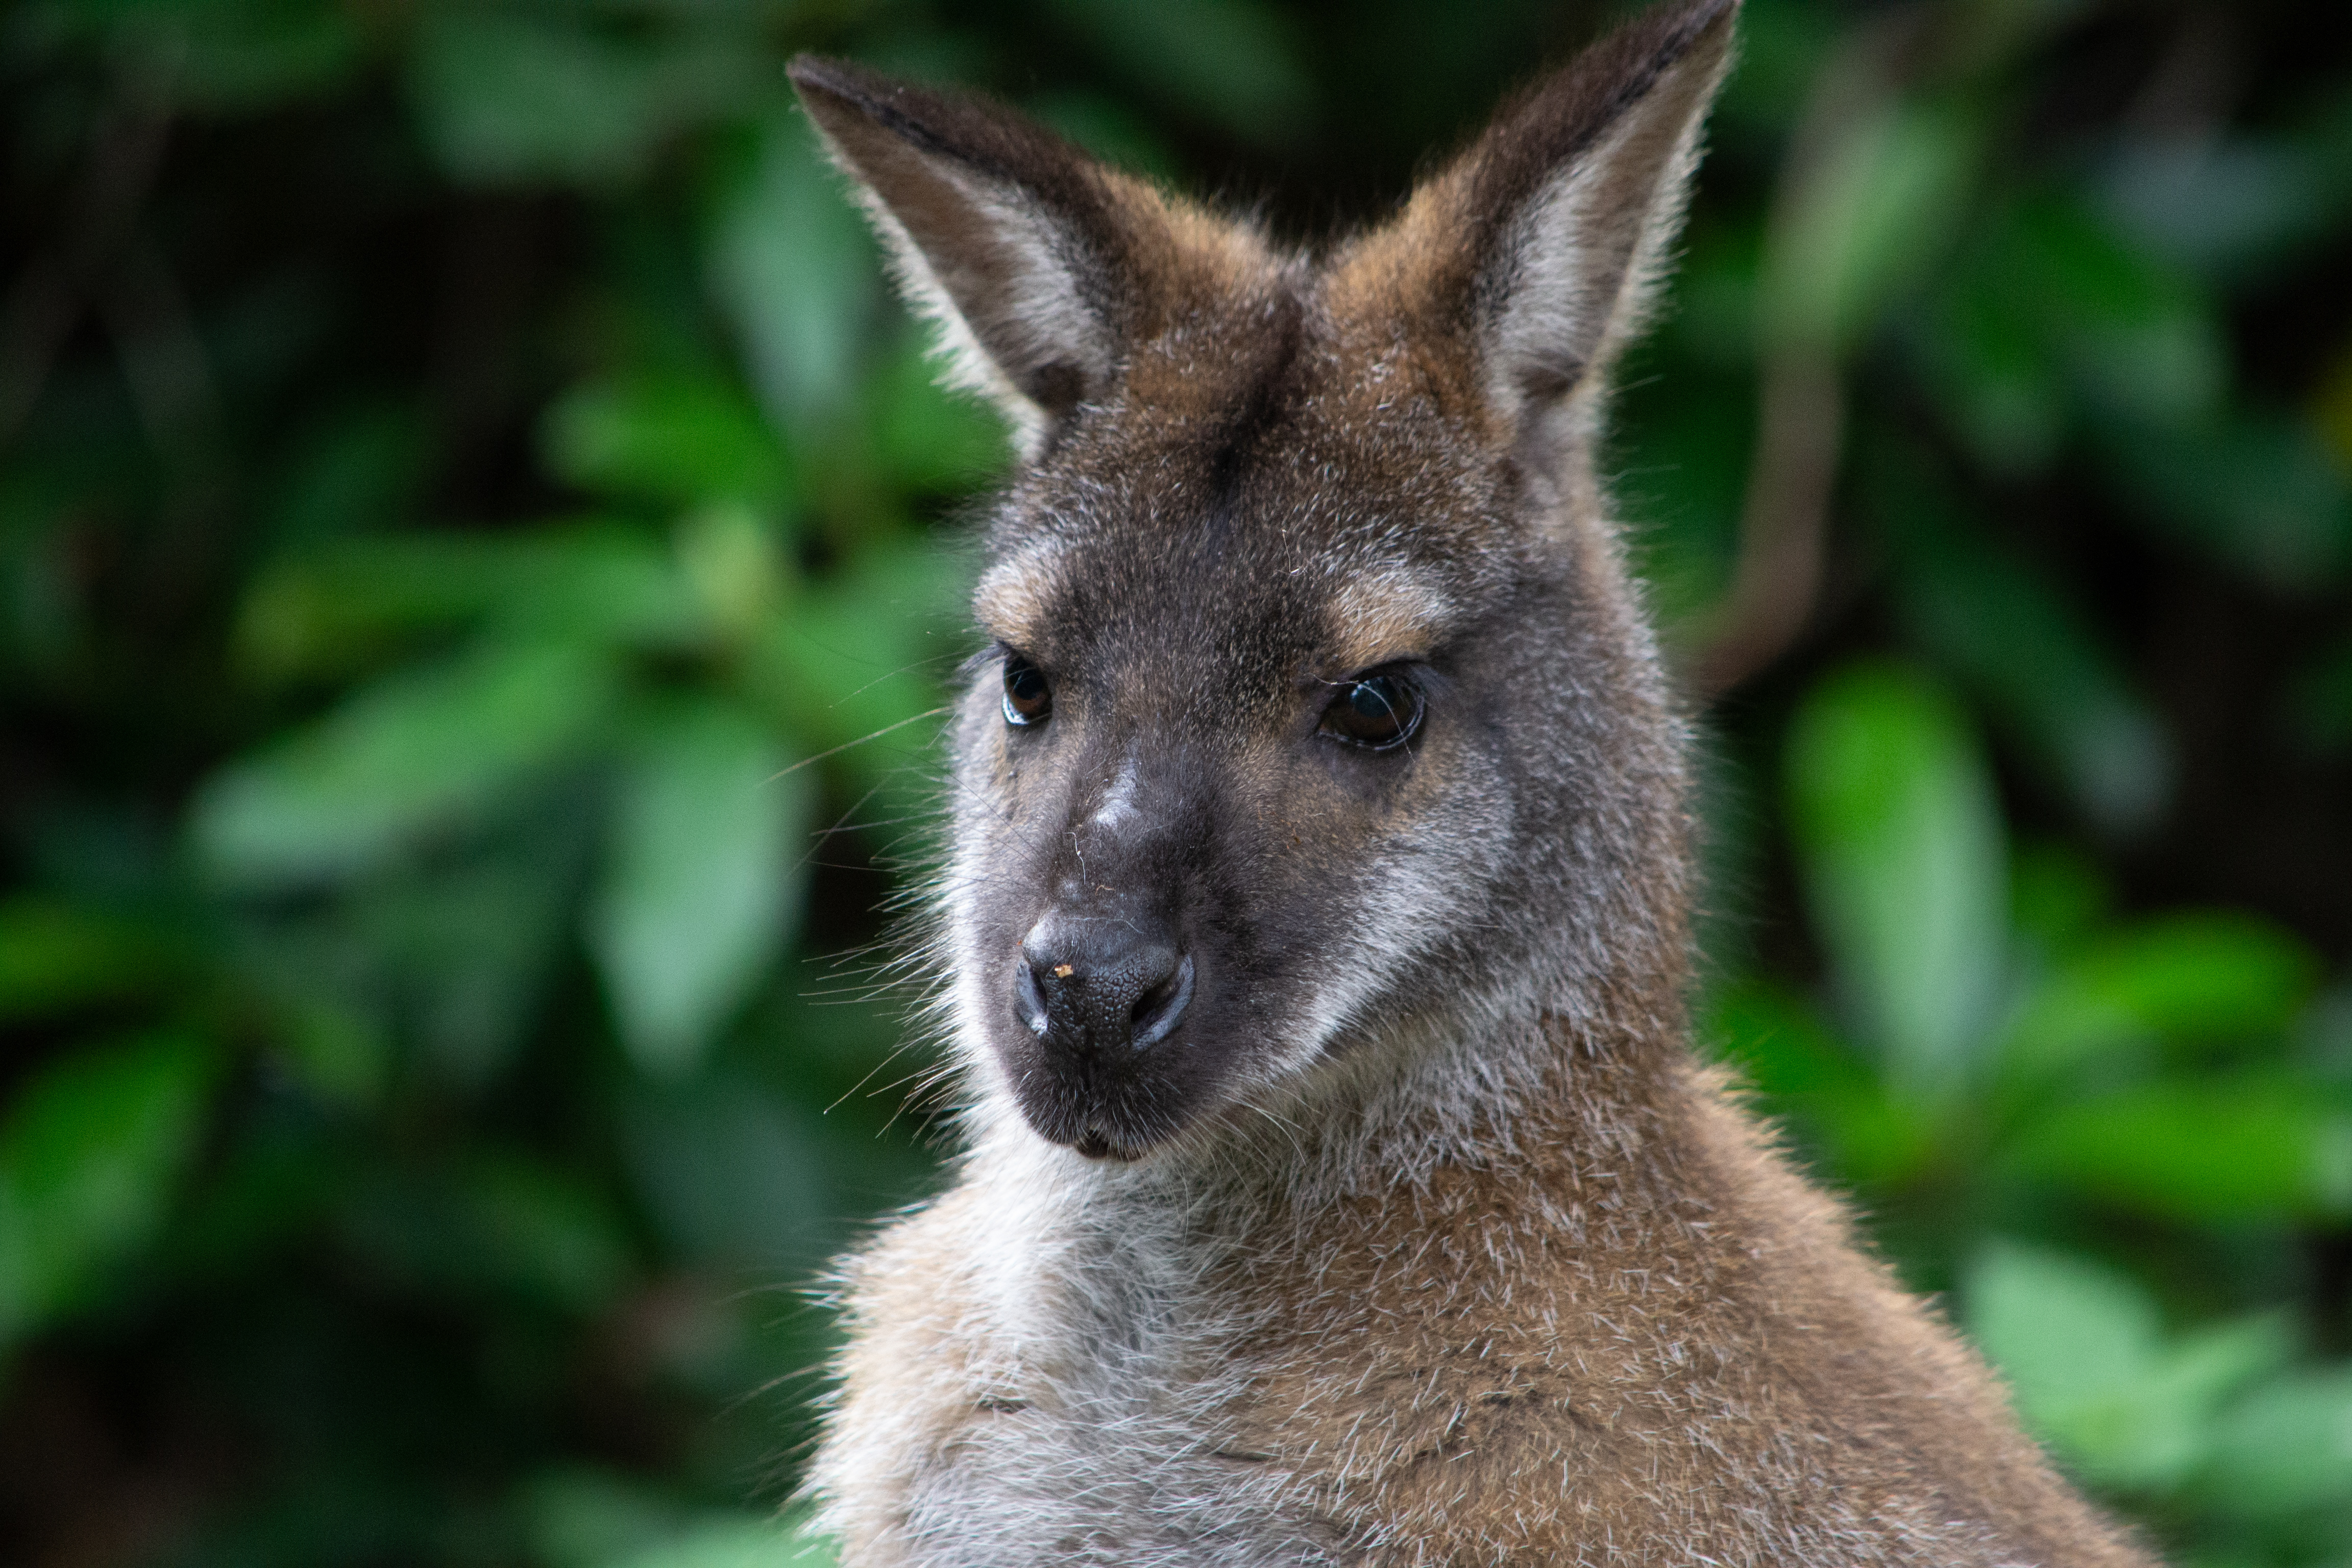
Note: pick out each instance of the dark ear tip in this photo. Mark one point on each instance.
(836, 78)
(1684, 28)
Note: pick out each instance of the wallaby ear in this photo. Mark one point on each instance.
(1542, 243)
(1013, 240)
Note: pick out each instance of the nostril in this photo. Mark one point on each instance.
(1157, 1009)
(1028, 1001)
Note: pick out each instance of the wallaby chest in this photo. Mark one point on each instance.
(1076, 1401)
(1590, 1358)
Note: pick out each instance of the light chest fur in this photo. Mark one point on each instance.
(1541, 1352)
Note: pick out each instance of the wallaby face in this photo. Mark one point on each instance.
(1312, 656)
(1339, 1185)
(1249, 769)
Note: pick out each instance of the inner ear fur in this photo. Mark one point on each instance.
(1042, 267)
(1000, 232)
(1537, 249)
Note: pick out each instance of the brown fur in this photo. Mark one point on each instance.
(1419, 1238)
(1676, 1344)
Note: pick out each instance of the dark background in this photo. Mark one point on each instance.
(465, 500)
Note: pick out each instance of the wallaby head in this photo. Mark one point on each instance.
(1321, 719)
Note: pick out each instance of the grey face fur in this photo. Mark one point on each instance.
(1256, 486)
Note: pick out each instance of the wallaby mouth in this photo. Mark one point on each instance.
(1114, 1103)
(1095, 1146)
(1103, 1116)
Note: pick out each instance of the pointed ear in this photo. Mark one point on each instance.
(1541, 245)
(1013, 240)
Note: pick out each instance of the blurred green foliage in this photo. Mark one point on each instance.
(479, 568)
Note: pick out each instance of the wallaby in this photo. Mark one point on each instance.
(1340, 1186)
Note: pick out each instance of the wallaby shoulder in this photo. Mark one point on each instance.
(1639, 1325)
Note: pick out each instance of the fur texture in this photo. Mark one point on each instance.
(1419, 1238)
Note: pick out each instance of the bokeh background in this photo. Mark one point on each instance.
(479, 559)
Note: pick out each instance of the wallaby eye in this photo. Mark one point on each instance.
(1376, 712)
(1027, 699)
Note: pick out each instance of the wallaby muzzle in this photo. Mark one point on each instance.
(1102, 979)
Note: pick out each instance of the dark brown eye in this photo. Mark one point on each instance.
(1027, 699)
(1376, 712)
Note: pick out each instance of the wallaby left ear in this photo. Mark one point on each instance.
(1031, 258)
(1545, 239)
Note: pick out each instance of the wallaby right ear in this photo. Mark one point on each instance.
(1537, 248)
(1013, 240)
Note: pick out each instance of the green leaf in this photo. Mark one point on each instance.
(2139, 340)
(505, 96)
(2014, 636)
(2223, 205)
(698, 894)
(591, 1518)
(2069, 1334)
(265, 1198)
(494, 1227)
(54, 957)
(1777, 1041)
(1901, 846)
(856, 662)
(1232, 62)
(2201, 1152)
(415, 754)
(546, 1234)
(791, 262)
(927, 437)
(465, 945)
(675, 440)
(1864, 217)
(611, 587)
(2049, 309)
(1681, 479)
(2285, 1448)
(743, 1542)
(330, 610)
(91, 1156)
(1782, 51)
(1983, 352)
(2086, 1355)
(336, 1053)
(2058, 898)
(360, 470)
(235, 56)
(333, 610)
(732, 1174)
(2321, 701)
(510, 96)
(733, 561)
(2256, 491)
(1808, 1077)
(588, 1519)
(2192, 977)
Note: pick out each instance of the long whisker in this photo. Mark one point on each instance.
(873, 735)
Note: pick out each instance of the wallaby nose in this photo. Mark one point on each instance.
(1097, 985)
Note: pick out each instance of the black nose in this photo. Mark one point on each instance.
(1099, 985)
